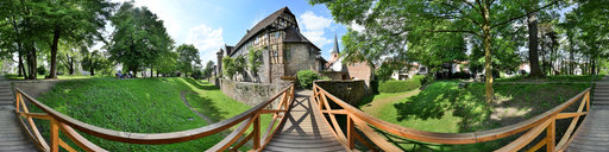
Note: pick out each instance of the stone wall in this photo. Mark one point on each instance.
(251, 93)
(350, 91)
(301, 57)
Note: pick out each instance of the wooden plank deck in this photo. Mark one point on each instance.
(304, 130)
(593, 136)
(12, 137)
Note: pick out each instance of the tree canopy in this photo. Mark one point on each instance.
(139, 39)
(392, 28)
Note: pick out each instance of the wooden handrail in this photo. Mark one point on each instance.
(363, 120)
(67, 124)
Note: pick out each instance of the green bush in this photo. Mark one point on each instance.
(306, 78)
(393, 86)
(41, 70)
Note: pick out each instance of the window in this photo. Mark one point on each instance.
(287, 54)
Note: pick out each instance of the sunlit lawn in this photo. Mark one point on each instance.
(59, 77)
(444, 107)
(147, 105)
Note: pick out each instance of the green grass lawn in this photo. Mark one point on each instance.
(150, 105)
(60, 77)
(553, 78)
(444, 107)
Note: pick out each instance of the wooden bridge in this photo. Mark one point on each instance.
(314, 121)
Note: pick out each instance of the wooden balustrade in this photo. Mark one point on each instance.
(62, 124)
(532, 127)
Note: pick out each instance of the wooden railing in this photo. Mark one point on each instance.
(60, 123)
(369, 126)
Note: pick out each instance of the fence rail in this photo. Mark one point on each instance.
(532, 128)
(60, 123)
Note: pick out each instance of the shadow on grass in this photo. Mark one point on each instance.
(513, 103)
(205, 105)
(200, 86)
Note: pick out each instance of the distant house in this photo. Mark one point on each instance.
(285, 50)
(409, 71)
(334, 67)
(337, 70)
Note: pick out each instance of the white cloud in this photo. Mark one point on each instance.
(207, 39)
(315, 27)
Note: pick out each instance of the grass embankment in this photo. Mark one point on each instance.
(59, 77)
(445, 107)
(152, 105)
(553, 78)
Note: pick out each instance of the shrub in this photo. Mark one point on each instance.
(306, 78)
(393, 86)
(197, 74)
(41, 70)
(461, 75)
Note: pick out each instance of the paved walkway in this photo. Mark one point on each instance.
(12, 137)
(593, 136)
(303, 130)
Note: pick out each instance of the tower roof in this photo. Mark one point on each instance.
(335, 49)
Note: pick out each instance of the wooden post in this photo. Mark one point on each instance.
(350, 130)
(587, 98)
(551, 135)
(18, 99)
(256, 132)
(54, 136)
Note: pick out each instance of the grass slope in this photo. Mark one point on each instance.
(60, 77)
(151, 105)
(553, 78)
(444, 107)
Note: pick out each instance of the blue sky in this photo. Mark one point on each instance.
(210, 24)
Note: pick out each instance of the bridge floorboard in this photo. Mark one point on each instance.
(303, 130)
(593, 134)
(12, 137)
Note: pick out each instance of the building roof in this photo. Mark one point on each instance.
(229, 49)
(293, 35)
(260, 26)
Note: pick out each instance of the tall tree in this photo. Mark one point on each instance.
(188, 57)
(167, 63)
(139, 38)
(73, 20)
(390, 24)
(94, 61)
(208, 70)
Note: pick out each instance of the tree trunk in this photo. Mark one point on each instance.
(593, 69)
(533, 44)
(20, 65)
(70, 64)
(53, 71)
(31, 57)
(486, 28)
(151, 75)
(133, 69)
(571, 59)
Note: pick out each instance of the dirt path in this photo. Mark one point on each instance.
(376, 104)
(206, 118)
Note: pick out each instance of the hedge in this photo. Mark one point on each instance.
(393, 86)
(306, 78)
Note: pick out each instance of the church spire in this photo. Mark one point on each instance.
(335, 50)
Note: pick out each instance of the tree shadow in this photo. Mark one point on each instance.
(201, 85)
(201, 104)
(523, 101)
